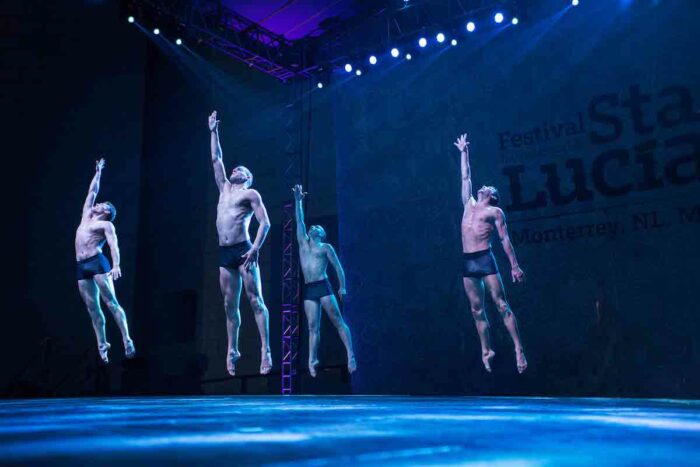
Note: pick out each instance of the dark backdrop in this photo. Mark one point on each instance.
(73, 88)
(587, 120)
(609, 307)
(79, 82)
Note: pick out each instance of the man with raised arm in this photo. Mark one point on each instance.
(480, 219)
(314, 256)
(238, 258)
(94, 274)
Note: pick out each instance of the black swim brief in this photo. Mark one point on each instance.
(231, 256)
(318, 289)
(479, 264)
(90, 267)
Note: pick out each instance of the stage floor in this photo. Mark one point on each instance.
(349, 429)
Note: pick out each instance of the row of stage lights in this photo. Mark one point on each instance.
(156, 31)
(498, 18)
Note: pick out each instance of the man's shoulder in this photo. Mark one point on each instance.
(496, 212)
(327, 247)
(252, 194)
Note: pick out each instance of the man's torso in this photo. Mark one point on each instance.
(89, 239)
(314, 261)
(477, 227)
(233, 215)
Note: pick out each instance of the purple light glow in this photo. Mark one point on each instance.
(293, 20)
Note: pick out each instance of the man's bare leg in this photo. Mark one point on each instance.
(106, 286)
(495, 286)
(312, 308)
(474, 288)
(330, 305)
(230, 282)
(253, 289)
(89, 293)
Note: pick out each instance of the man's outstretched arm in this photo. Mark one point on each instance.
(335, 262)
(302, 236)
(264, 225)
(94, 187)
(517, 274)
(111, 236)
(216, 153)
(463, 146)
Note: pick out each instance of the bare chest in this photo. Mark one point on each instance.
(89, 232)
(234, 203)
(477, 219)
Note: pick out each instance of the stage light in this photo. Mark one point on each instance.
(156, 31)
(514, 21)
(130, 19)
(358, 72)
(408, 56)
(574, 2)
(454, 42)
(440, 37)
(498, 17)
(422, 42)
(348, 67)
(178, 41)
(372, 60)
(394, 52)
(320, 85)
(471, 26)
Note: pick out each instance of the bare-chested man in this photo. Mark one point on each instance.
(94, 274)
(481, 217)
(238, 258)
(314, 256)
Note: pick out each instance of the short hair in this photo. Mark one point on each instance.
(323, 231)
(112, 210)
(249, 183)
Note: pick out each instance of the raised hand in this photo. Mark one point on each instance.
(99, 165)
(213, 122)
(462, 142)
(298, 193)
(517, 274)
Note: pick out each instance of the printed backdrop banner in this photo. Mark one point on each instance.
(586, 119)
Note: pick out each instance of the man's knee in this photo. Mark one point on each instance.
(231, 304)
(113, 305)
(478, 311)
(314, 324)
(503, 307)
(336, 319)
(257, 303)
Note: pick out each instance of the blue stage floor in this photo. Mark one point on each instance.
(352, 429)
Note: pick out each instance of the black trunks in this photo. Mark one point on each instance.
(90, 267)
(318, 289)
(479, 264)
(231, 256)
